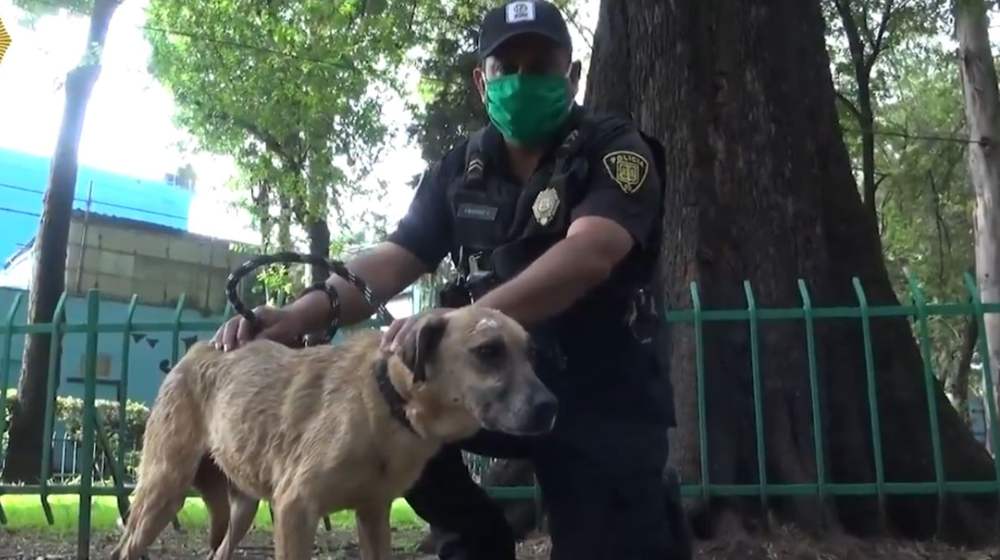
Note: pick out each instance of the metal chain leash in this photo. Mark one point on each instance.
(334, 266)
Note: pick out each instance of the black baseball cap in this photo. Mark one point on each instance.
(517, 18)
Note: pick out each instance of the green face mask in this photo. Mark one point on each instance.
(528, 108)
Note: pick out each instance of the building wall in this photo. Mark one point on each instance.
(149, 352)
(123, 257)
(24, 177)
(158, 266)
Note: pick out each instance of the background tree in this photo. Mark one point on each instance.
(292, 90)
(911, 152)
(982, 109)
(760, 187)
(48, 277)
(872, 31)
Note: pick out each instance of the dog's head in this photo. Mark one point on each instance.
(472, 368)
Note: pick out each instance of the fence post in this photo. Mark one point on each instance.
(819, 446)
(176, 332)
(984, 350)
(123, 401)
(758, 397)
(872, 400)
(55, 359)
(8, 335)
(89, 420)
(699, 349)
(932, 410)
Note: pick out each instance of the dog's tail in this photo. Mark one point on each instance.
(174, 444)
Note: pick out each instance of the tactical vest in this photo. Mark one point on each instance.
(499, 228)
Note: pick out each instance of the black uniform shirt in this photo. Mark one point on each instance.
(591, 340)
(622, 185)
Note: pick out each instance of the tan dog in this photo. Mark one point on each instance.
(327, 428)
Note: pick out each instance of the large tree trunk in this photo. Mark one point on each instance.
(982, 110)
(319, 246)
(759, 187)
(49, 271)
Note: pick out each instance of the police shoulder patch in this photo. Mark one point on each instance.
(627, 168)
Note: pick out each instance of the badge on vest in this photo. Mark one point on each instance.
(545, 206)
(628, 169)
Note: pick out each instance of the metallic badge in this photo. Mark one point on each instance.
(545, 206)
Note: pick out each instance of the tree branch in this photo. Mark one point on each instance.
(850, 106)
(854, 40)
(878, 42)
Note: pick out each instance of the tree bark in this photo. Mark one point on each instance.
(759, 187)
(49, 272)
(319, 245)
(960, 387)
(982, 110)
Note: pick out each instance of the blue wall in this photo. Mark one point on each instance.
(23, 179)
(148, 351)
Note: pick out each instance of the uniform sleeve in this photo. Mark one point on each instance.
(425, 229)
(624, 187)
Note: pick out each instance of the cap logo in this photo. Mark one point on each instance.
(520, 11)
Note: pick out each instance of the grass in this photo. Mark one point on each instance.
(25, 513)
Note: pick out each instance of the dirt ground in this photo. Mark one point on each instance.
(340, 545)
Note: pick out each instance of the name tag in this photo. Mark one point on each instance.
(477, 212)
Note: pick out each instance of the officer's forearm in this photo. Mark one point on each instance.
(551, 284)
(387, 269)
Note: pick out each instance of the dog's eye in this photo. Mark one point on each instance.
(489, 352)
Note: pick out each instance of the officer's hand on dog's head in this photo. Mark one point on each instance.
(397, 332)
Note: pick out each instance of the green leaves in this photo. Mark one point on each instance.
(292, 90)
(924, 205)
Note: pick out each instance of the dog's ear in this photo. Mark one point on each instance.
(421, 343)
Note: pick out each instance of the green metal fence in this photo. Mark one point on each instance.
(95, 437)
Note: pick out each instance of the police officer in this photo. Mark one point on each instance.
(551, 215)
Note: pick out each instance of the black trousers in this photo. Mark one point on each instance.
(602, 486)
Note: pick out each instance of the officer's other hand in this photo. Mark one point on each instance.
(276, 324)
(401, 328)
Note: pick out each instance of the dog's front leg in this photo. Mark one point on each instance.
(294, 529)
(374, 537)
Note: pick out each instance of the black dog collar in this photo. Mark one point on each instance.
(390, 394)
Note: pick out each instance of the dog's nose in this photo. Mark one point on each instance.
(543, 413)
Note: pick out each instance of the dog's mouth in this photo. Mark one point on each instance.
(533, 420)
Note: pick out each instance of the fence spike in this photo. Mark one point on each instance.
(758, 408)
(872, 399)
(89, 424)
(176, 332)
(123, 504)
(984, 351)
(55, 355)
(920, 301)
(699, 345)
(819, 447)
(8, 335)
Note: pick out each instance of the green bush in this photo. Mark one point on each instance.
(69, 415)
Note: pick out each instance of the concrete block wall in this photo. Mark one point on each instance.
(121, 258)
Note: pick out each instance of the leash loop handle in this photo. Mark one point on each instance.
(287, 257)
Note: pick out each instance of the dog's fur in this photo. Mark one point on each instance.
(309, 429)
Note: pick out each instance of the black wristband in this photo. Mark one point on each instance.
(334, 299)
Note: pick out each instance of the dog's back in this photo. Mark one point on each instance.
(260, 412)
